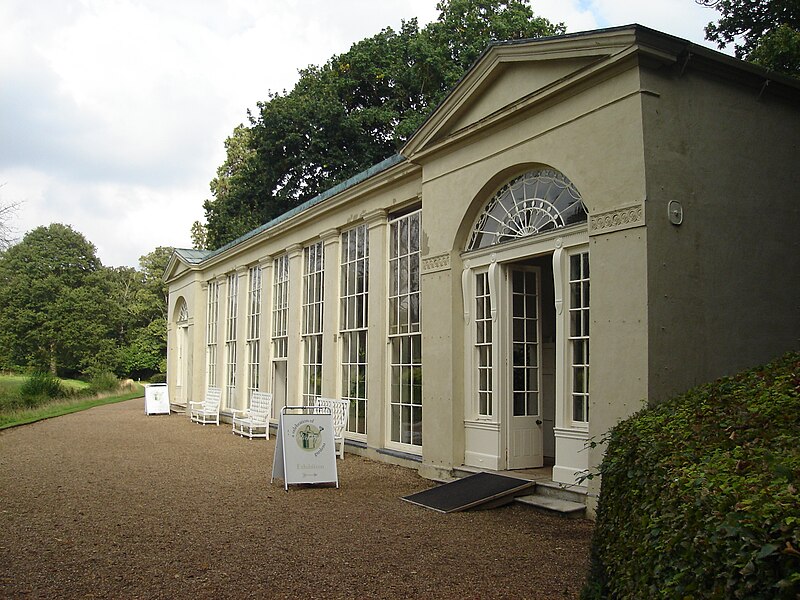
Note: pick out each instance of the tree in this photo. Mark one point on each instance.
(353, 111)
(7, 232)
(55, 307)
(199, 236)
(779, 50)
(766, 32)
(142, 297)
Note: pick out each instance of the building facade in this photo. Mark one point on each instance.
(619, 203)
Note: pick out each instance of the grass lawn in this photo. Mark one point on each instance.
(11, 383)
(11, 417)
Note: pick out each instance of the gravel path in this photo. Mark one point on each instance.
(109, 503)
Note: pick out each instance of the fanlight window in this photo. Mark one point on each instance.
(183, 315)
(537, 201)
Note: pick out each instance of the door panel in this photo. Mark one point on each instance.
(525, 419)
(279, 386)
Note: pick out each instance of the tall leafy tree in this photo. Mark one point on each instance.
(353, 111)
(142, 297)
(55, 307)
(766, 32)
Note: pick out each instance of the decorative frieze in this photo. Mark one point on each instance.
(432, 264)
(614, 220)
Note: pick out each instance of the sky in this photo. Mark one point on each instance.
(114, 113)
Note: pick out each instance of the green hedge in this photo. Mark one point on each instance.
(701, 495)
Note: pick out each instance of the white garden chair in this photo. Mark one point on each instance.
(254, 421)
(340, 409)
(207, 411)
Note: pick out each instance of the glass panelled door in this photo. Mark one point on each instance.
(525, 420)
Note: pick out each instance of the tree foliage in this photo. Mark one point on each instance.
(141, 296)
(352, 112)
(146, 349)
(63, 312)
(766, 32)
(55, 312)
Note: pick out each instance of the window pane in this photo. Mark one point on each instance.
(533, 403)
(538, 201)
(404, 322)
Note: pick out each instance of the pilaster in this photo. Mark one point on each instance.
(377, 340)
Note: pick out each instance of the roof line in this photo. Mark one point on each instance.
(330, 192)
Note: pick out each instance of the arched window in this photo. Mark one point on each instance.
(537, 201)
(183, 313)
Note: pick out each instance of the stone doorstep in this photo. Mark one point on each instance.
(560, 491)
(547, 495)
(565, 508)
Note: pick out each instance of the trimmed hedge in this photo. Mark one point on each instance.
(701, 495)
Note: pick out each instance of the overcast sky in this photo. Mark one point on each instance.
(113, 113)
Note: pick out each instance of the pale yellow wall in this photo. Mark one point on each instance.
(600, 150)
(513, 81)
(723, 286)
(186, 288)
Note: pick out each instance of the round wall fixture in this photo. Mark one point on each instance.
(675, 212)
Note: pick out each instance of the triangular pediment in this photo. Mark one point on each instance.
(182, 261)
(510, 83)
(514, 75)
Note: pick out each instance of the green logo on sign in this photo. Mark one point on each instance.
(308, 437)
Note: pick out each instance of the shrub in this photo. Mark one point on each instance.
(159, 378)
(104, 381)
(700, 495)
(40, 386)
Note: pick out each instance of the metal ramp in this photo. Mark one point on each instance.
(546, 495)
(481, 490)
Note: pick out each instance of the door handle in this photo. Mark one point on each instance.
(538, 421)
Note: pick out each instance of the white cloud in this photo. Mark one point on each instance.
(681, 18)
(115, 112)
(118, 110)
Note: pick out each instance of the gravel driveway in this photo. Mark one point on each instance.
(109, 503)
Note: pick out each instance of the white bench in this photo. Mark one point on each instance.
(254, 421)
(207, 411)
(340, 409)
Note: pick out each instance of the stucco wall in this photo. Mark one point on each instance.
(594, 137)
(184, 289)
(723, 286)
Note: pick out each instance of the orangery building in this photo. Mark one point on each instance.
(588, 222)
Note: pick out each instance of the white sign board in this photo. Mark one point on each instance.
(156, 399)
(304, 448)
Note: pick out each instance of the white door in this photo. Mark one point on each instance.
(524, 398)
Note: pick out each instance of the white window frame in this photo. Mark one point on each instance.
(312, 320)
(231, 323)
(483, 350)
(405, 334)
(280, 307)
(537, 343)
(578, 295)
(253, 330)
(211, 333)
(567, 242)
(353, 325)
(533, 203)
